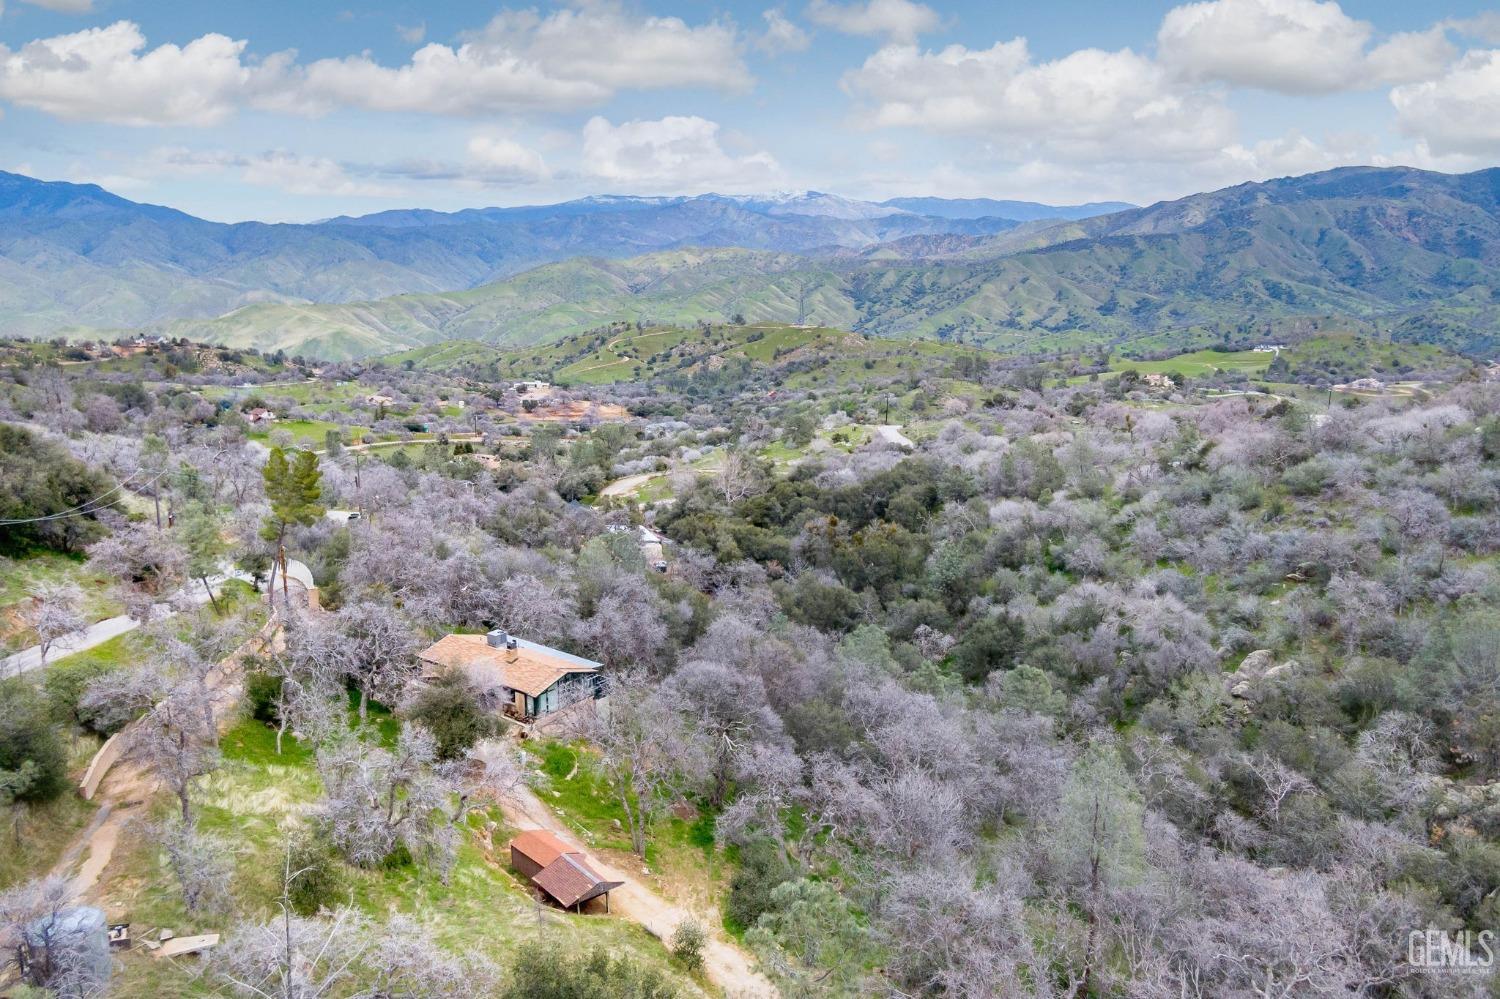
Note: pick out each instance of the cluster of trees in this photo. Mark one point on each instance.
(1086, 694)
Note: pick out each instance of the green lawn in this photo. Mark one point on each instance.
(306, 431)
(1200, 362)
(118, 651)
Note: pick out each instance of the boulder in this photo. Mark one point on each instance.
(1284, 669)
(1257, 662)
(1468, 811)
(1241, 689)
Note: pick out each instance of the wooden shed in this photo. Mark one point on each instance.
(560, 871)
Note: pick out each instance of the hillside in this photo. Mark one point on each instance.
(546, 303)
(624, 353)
(77, 255)
(1412, 253)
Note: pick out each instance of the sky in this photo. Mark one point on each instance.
(284, 111)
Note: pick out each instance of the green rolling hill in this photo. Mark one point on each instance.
(1406, 253)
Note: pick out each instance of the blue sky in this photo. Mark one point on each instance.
(296, 111)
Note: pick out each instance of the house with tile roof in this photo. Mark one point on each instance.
(525, 680)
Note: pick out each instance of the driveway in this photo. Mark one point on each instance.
(629, 484)
(891, 432)
(727, 965)
(102, 631)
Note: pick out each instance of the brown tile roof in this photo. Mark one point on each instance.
(570, 880)
(540, 846)
(528, 668)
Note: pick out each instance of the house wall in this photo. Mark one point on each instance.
(523, 864)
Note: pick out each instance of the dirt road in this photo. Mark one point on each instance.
(128, 786)
(727, 966)
(629, 484)
(891, 432)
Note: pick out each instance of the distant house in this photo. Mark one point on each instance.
(1158, 381)
(526, 681)
(522, 388)
(258, 415)
(558, 869)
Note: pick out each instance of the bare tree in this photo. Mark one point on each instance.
(643, 750)
(177, 736)
(739, 477)
(200, 863)
(375, 645)
(56, 610)
(728, 709)
(493, 769)
(293, 957)
(376, 799)
(68, 952)
(626, 630)
(143, 558)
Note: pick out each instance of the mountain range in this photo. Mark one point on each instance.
(75, 255)
(1411, 253)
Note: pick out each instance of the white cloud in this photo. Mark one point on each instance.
(1292, 46)
(781, 34)
(895, 20)
(278, 168)
(440, 80)
(1484, 26)
(310, 175)
(412, 34)
(1290, 155)
(1088, 105)
(106, 74)
(1458, 113)
(520, 61)
(672, 154)
(498, 160)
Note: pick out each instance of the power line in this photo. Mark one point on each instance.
(86, 508)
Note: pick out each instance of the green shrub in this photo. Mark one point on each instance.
(319, 881)
(763, 866)
(541, 973)
(450, 710)
(64, 685)
(992, 643)
(263, 692)
(688, 943)
(33, 759)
